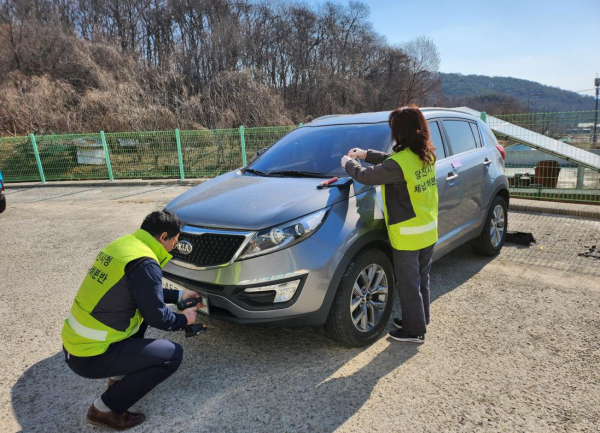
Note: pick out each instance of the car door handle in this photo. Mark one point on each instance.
(487, 162)
(451, 176)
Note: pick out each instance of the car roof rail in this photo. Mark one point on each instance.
(452, 110)
(330, 115)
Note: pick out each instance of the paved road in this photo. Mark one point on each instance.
(513, 344)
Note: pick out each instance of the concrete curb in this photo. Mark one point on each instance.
(555, 208)
(102, 183)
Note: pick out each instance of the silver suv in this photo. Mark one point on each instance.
(264, 245)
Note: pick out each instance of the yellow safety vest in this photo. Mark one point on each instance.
(104, 311)
(417, 229)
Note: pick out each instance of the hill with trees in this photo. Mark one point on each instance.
(121, 65)
(129, 65)
(506, 94)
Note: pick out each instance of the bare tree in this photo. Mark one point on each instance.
(152, 64)
(423, 66)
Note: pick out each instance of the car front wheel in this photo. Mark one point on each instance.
(364, 300)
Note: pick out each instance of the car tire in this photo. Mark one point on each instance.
(339, 325)
(491, 239)
(2, 205)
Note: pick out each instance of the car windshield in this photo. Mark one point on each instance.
(318, 150)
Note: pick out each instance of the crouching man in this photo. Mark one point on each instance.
(121, 295)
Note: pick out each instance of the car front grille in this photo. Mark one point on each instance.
(209, 249)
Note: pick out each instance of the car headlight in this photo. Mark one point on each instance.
(290, 233)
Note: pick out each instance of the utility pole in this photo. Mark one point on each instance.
(597, 84)
(533, 99)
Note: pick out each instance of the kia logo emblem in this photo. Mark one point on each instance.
(185, 247)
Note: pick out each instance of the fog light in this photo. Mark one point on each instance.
(283, 291)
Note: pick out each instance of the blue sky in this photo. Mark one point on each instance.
(553, 42)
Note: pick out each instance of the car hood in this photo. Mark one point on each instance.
(248, 202)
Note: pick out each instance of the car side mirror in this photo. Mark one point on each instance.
(260, 152)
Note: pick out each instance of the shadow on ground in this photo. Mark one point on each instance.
(240, 379)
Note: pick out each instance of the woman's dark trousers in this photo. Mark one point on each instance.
(412, 282)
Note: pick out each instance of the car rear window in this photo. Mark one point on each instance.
(460, 136)
(319, 149)
(488, 137)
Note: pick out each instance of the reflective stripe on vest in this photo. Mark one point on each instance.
(419, 231)
(84, 331)
(89, 332)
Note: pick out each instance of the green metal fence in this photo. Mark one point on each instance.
(17, 160)
(536, 174)
(208, 153)
(127, 155)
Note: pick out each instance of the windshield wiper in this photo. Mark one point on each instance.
(253, 171)
(297, 173)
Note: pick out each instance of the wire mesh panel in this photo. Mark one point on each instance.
(72, 156)
(573, 127)
(143, 154)
(566, 170)
(209, 153)
(17, 160)
(259, 138)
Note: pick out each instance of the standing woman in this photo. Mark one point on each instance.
(410, 197)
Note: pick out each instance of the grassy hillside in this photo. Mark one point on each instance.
(549, 98)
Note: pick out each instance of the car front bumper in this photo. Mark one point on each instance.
(311, 262)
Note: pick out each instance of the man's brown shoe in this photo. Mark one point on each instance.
(113, 420)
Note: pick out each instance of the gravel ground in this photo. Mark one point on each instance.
(513, 344)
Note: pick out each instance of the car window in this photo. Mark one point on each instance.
(475, 131)
(489, 139)
(460, 136)
(436, 139)
(319, 149)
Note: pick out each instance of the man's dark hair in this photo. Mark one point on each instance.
(161, 221)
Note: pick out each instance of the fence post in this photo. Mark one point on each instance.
(179, 155)
(37, 158)
(580, 176)
(483, 116)
(108, 166)
(243, 144)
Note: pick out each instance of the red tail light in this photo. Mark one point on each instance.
(502, 151)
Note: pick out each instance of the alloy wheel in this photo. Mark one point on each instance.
(497, 226)
(369, 298)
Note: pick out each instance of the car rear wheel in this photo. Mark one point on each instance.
(2, 205)
(364, 300)
(491, 239)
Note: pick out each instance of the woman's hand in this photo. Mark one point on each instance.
(345, 160)
(357, 153)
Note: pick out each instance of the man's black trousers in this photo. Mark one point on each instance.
(144, 362)
(412, 282)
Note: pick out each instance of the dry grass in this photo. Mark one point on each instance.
(55, 83)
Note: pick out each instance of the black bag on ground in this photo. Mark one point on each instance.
(520, 238)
